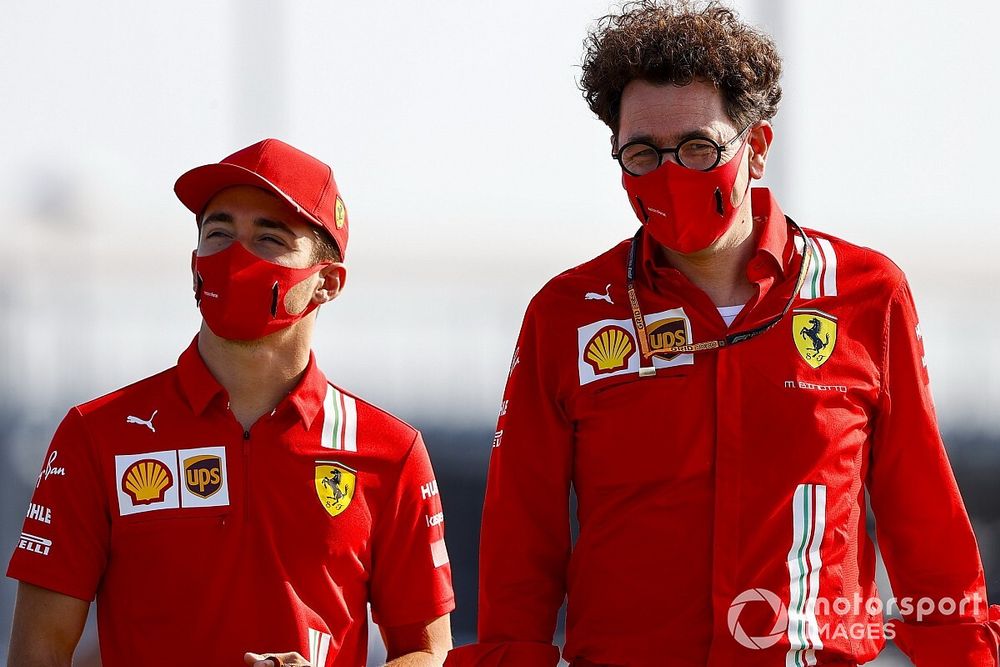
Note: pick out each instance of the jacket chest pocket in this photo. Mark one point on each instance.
(642, 431)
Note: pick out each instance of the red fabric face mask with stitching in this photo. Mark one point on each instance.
(684, 209)
(242, 297)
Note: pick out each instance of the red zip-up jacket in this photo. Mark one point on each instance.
(721, 502)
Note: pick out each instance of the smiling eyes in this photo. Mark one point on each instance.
(267, 238)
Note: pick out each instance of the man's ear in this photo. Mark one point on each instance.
(333, 278)
(759, 141)
(194, 271)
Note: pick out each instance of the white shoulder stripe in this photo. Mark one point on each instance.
(340, 421)
(350, 423)
(830, 278)
(329, 411)
(821, 278)
(807, 291)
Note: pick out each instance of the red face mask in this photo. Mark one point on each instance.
(685, 209)
(242, 297)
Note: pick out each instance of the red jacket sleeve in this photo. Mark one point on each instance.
(64, 545)
(525, 543)
(927, 543)
(411, 574)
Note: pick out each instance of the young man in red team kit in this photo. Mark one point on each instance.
(720, 391)
(239, 503)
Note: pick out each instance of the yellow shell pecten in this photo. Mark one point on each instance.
(146, 481)
(610, 348)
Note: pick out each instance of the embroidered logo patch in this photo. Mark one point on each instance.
(335, 485)
(147, 482)
(815, 335)
(609, 347)
(667, 333)
(205, 479)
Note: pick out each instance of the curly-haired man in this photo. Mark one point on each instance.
(720, 391)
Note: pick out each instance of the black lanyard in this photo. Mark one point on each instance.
(646, 353)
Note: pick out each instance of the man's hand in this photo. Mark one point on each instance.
(275, 660)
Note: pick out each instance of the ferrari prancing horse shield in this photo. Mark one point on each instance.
(815, 335)
(335, 484)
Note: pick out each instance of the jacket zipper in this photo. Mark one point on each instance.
(246, 474)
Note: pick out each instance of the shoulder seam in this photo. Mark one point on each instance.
(884, 361)
(92, 456)
(378, 409)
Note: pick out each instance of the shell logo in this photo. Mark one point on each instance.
(609, 350)
(146, 481)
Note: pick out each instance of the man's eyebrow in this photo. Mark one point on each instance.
(701, 132)
(268, 223)
(218, 216)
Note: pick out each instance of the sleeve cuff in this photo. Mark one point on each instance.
(504, 654)
(951, 645)
(397, 617)
(65, 587)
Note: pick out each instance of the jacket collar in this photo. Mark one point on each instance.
(200, 387)
(774, 254)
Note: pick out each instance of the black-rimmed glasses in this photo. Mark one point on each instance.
(638, 158)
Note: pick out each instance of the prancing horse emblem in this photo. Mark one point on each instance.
(333, 483)
(812, 333)
(815, 335)
(335, 486)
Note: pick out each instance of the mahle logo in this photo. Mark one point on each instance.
(754, 596)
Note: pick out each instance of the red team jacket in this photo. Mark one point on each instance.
(202, 541)
(721, 502)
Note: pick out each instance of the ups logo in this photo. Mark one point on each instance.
(666, 334)
(203, 475)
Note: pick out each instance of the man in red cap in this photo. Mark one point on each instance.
(239, 507)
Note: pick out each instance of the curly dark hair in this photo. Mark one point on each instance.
(664, 41)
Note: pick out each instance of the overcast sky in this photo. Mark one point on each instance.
(471, 167)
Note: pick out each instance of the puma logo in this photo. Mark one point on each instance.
(148, 423)
(594, 296)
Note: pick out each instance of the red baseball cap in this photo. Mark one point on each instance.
(298, 178)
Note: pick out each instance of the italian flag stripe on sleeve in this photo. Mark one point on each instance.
(340, 421)
(804, 565)
(821, 278)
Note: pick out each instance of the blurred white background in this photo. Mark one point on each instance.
(472, 171)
